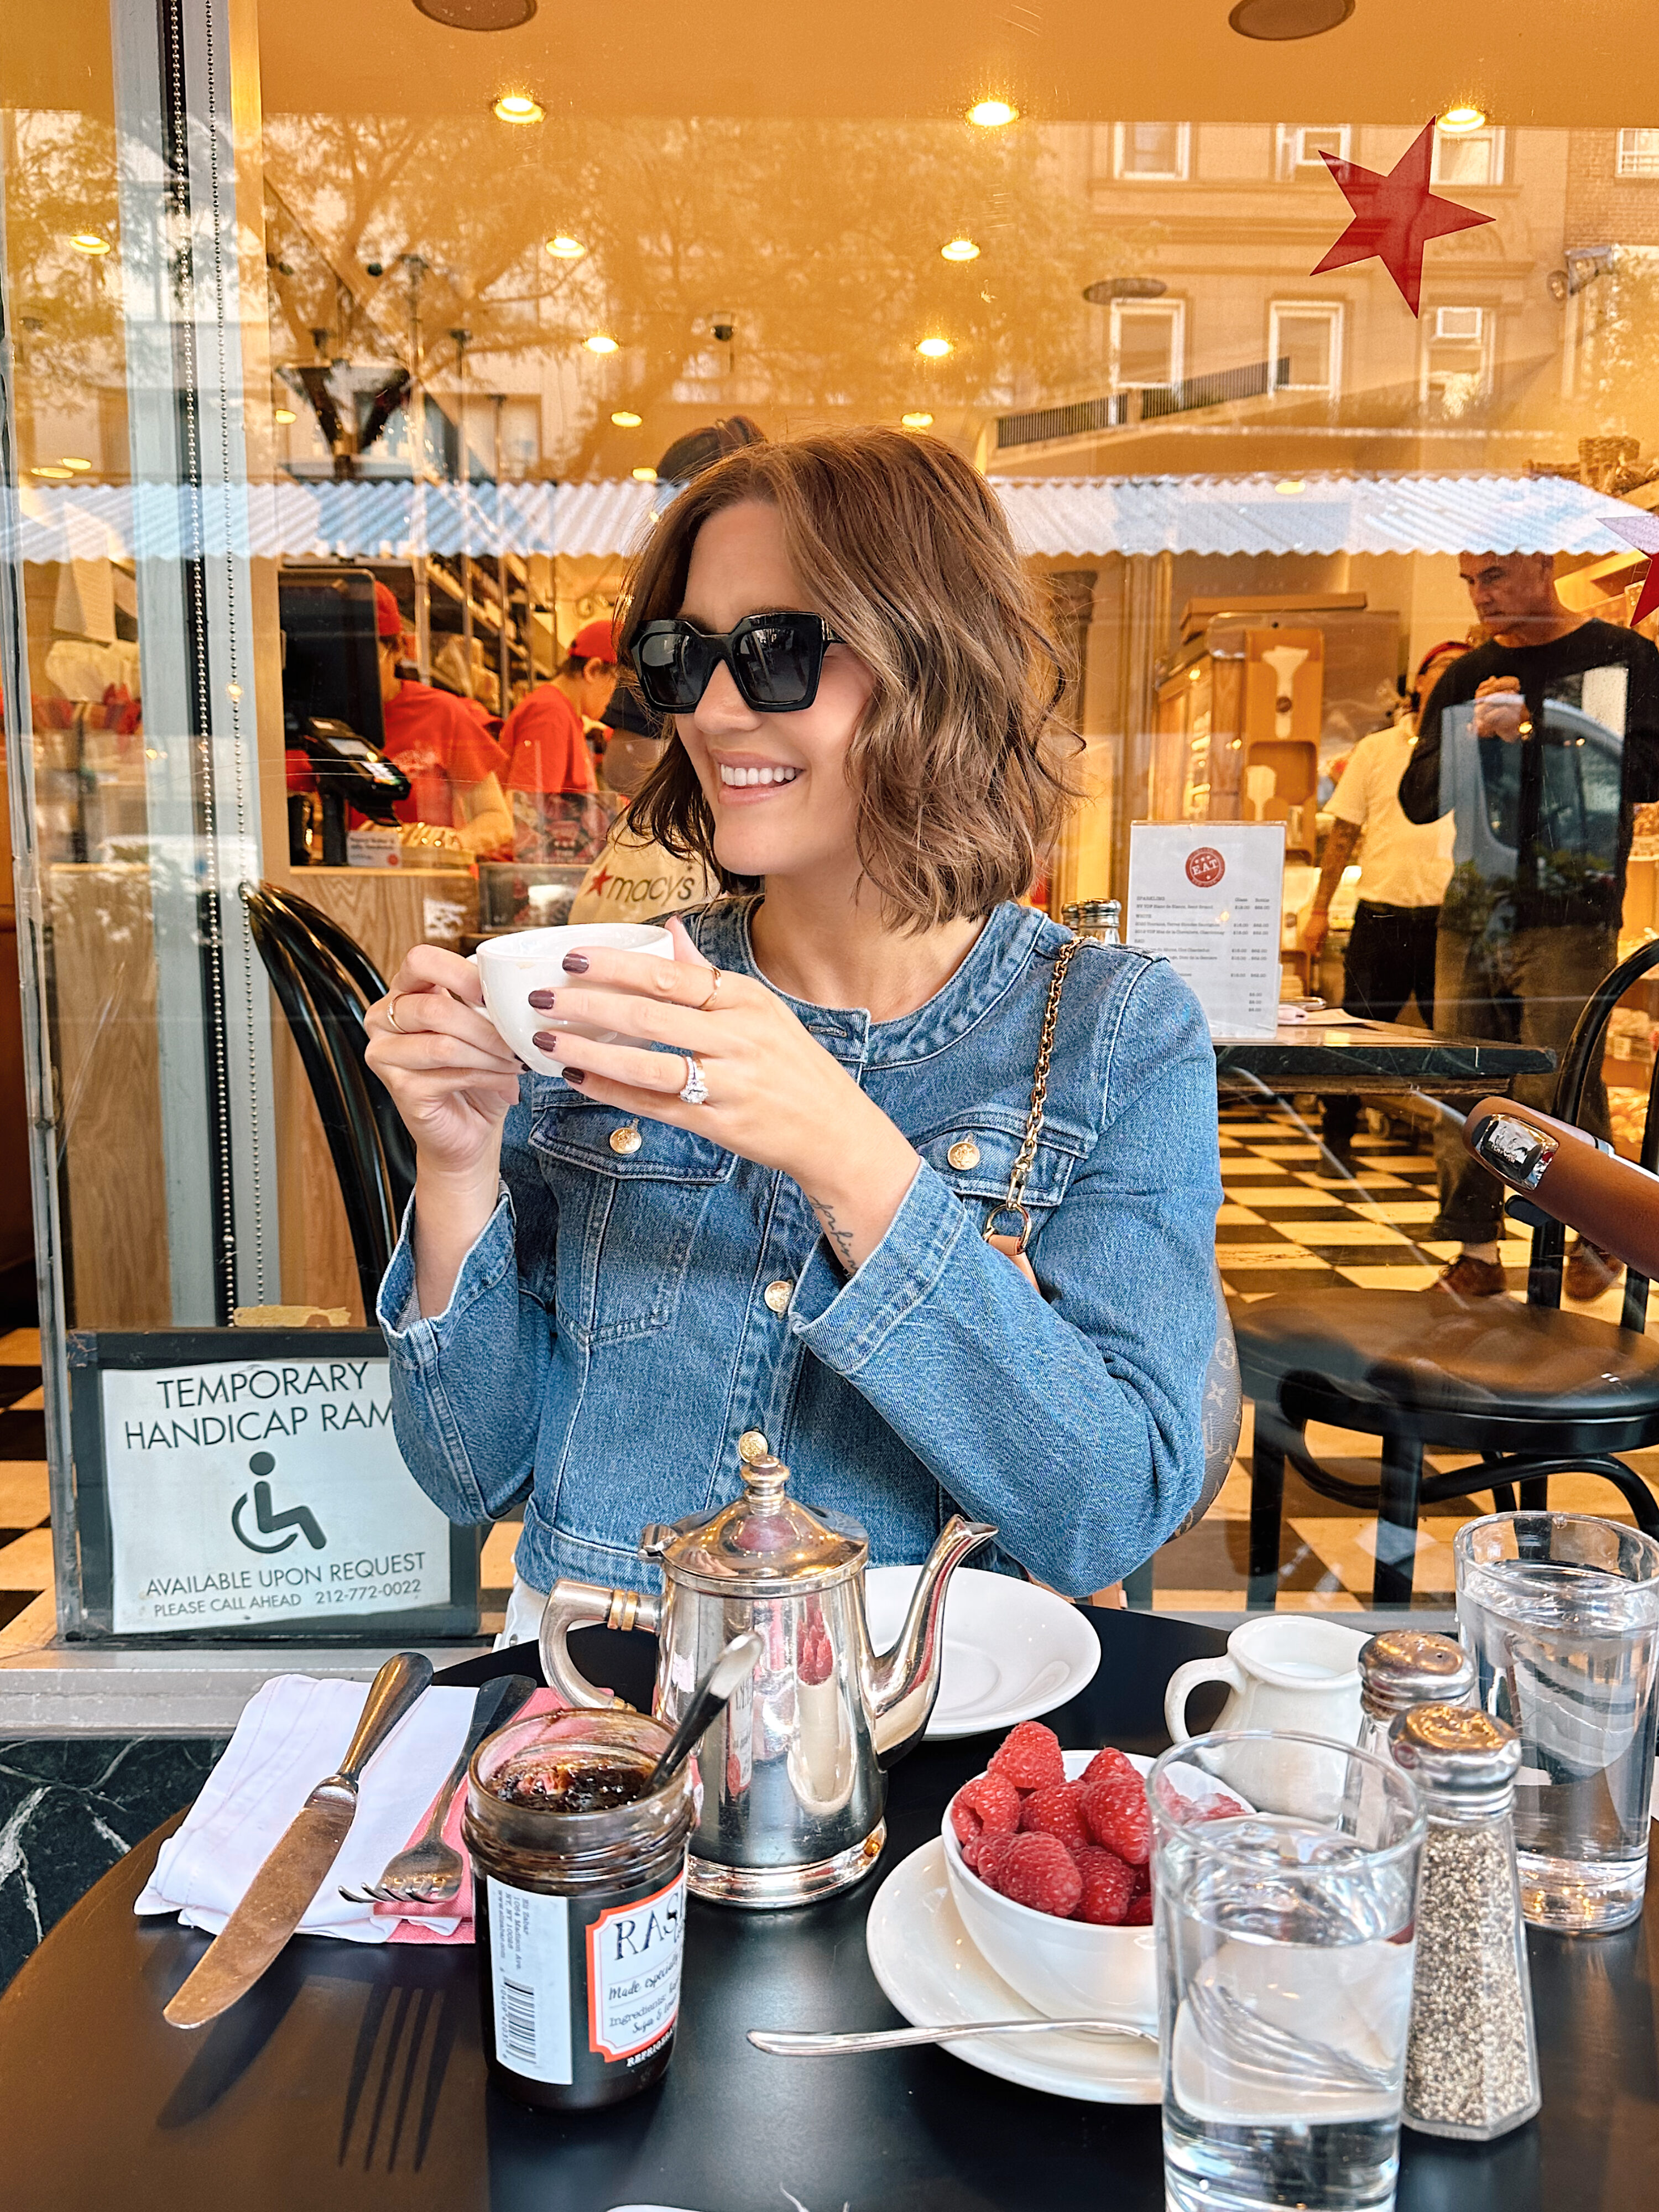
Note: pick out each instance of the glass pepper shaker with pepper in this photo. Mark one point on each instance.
(1471, 2054)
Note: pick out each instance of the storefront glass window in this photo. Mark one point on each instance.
(291, 341)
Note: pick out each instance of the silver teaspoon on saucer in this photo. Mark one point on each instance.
(782, 2043)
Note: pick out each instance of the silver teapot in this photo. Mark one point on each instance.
(793, 1785)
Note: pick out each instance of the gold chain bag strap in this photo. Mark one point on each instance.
(1014, 1202)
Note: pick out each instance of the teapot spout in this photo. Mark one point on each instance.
(904, 1681)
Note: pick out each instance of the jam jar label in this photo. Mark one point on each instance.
(530, 1981)
(634, 1954)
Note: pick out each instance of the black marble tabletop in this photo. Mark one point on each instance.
(1375, 1056)
(352, 2076)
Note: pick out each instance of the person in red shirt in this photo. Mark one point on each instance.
(551, 779)
(442, 746)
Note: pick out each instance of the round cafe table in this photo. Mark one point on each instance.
(352, 2076)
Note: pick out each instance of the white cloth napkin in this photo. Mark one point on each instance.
(292, 1732)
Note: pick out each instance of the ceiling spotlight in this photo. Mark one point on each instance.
(601, 342)
(49, 469)
(626, 419)
(1124, 288)
(1290, 486)
(1289, 19)
(920, 420)
(644, 476)
(477, 14)
(959, 249)
(284, 414)
(517, 107)
(1458, 122)
(88, 242)
(933, 349)
(992, 114)
(566, 249)
(74, 463)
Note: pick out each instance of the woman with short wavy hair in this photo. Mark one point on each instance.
(770, 1221)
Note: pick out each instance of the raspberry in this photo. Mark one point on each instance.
(1221, 1808)
(989, 1802)
(1054, 1811)
(993, 1847)
(1108, 1887)
(1028, 1756)
(1038, 1871)
(1116, 1811)
(1143, 1875)
(1140, 1914)
(1111, 1760)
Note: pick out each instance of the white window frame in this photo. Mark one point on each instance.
(1632, 159)
(1292, 161)
(1178, 175)
(1441, 336)
(1486, 343)
(1175, 311)
(1494, 134)
(1332, 312)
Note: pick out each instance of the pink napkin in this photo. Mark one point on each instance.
(458, 1910)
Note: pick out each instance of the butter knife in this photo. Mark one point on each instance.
(278, 1894)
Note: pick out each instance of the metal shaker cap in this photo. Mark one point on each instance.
(1456, 1753)
(1403, 1667)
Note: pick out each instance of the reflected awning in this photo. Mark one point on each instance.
(1054, 517)
(1057, 516)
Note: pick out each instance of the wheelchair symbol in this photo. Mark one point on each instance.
(299, 1520)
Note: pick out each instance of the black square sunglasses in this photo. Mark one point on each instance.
(775, 661)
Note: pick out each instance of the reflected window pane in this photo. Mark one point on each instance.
(1145, 347)
(1151, 149)
(1304, 348)
(1638, 153)
(1469, 159)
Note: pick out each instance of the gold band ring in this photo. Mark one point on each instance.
(713, 988)
(392, 1013)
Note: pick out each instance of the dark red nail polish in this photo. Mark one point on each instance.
(543, 1001)
(544, 1041)
(575, 963)
(576, 1075)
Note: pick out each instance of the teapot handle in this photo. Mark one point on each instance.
(572, 1604)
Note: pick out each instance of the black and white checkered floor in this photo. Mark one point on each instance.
(1290, 1222)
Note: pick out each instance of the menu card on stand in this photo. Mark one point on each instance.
(1207, 895)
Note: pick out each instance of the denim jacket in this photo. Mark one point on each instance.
(624, 1318)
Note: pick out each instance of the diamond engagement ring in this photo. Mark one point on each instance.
(695, 1092)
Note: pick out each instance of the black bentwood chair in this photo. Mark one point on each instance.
(324, 983)
(1534, 1391)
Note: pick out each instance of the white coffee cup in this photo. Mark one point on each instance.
(1286, 1672)
(510, 968)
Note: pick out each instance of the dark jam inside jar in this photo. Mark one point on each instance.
(576, 1784)
(579, 1879)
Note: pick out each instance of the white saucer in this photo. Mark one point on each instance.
(1012, 1651)
(931, 1973)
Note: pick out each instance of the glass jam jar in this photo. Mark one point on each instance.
(579, 1881)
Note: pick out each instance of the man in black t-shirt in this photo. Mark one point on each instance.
(1541, 742)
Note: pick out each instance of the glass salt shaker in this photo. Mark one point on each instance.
(1471, 2054)
(1403, 1667)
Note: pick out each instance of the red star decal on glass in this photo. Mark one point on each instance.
(1642, 531)
(1394, 216)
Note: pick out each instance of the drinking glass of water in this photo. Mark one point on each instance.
(1561, 1613)
(1285, 1947)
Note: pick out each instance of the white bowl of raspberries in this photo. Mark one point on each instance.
(1047, 1854)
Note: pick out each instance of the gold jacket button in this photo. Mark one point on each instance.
(778, 1295)
(626, 1141)
(965, 1153)
(752, 1445)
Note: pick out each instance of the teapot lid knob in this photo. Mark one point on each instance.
(764, 1476)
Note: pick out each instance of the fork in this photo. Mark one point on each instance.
(429, 1870)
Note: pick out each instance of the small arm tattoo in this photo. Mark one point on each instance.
(840, 1238)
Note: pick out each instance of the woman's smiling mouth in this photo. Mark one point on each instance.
(735, 778)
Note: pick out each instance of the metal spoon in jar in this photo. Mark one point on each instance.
(781, 2043)
(739, 1659)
